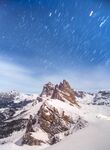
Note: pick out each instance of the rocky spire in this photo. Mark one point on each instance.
(62, 91)
(47, 90)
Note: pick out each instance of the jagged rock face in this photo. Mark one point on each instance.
(63, 92)
(47, 90)
(51, 121)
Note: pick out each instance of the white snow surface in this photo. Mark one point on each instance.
(13, 146)
(103, 117)
(41, 135)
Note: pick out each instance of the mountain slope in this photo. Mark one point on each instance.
(57, 115)
(45, 119)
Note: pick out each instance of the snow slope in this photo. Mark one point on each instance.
(13, 146)
(63, 106)
(95, 137)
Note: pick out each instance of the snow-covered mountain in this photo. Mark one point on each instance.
(46, 119)
(58, 116)
(102, 98)
(14, 111)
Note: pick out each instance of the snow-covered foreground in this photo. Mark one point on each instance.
(13, 146)
(93, 137)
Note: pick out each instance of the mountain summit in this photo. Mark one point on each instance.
(56, 116)
(62, 91)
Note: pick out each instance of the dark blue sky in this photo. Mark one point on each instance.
(53, 38)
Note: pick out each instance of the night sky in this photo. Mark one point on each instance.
(51, 40)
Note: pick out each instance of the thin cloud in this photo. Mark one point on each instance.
(19, 78)
(16, 77)
(87, 80)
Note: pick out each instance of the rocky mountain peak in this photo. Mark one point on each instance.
(64, 84)
(62, 91)
(47, 90)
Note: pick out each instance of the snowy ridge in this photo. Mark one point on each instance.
(61, 106)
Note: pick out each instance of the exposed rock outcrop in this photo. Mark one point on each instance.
(52, 121)
(63, 92)
(48, 90)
